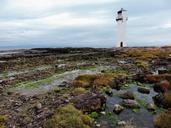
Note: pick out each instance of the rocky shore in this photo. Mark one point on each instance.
(85, 88)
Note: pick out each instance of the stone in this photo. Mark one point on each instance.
(144, 90)
(118, 109)
(130, 104)
(89, 102)
(109, 93)
(63, 84)
(103, 113)
(38, 106)
(158, 99)
(121, 123)
(127, 95)
(151, 107)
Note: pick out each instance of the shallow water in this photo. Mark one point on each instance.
(143, 118)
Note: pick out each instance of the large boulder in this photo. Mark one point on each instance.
(89, 102)
(130, 104)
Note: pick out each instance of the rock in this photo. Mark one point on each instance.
(103, 113)
(163, 100)
(162, 86)
(130, 104)
(121, 123)
(151, 107)
(162, 71)
(127, 95)
(139, 77)
(118, 108)
(63, 84)
(98, 125)
(158, 99)
(116, 83)
(109, 93)
(89, 102)
(38, 106)
(60, 66)
(143, 90)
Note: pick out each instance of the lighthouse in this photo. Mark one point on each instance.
(121, 20)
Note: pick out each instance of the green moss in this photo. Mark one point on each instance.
(87, 67)
(68, 117)
(78, 91)
(141, 64)
(3, 118)
(94, 115)
(136, 110)
(141, 102)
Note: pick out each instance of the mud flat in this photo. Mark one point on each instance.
(99, 88)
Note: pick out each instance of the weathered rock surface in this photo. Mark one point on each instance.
(127, 95)
(89, 102)
(143, 90)
(151, 107)
(130, 104)
(162, 86)
(163, 100)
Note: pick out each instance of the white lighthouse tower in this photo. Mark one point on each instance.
(121, 20)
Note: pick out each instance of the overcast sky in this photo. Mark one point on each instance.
(82, 23)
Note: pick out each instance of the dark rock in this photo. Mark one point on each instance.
(127, 95)
(117, 82)
(89, 102)
(118, 108)
(158, 99)
(130, 104)
(143, 90)
(162, 71)
(162, 86)
(109, 93)
(139, 77)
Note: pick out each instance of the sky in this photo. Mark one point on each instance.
(82, 23)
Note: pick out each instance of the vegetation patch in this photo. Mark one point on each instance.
(3, 118)
(163, 120)
(94, 115)
(79, 91)
(69, 117)
(96, 80)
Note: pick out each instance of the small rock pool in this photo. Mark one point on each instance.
(141, 118)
